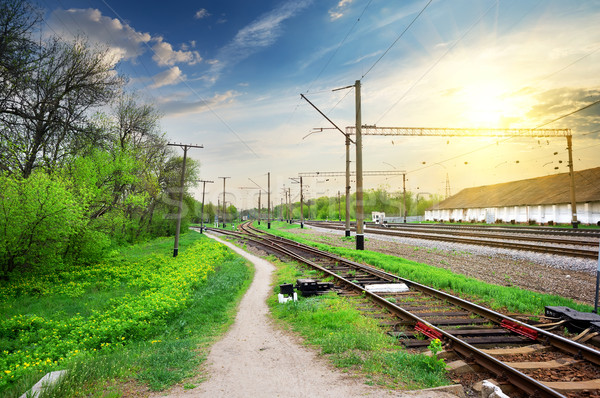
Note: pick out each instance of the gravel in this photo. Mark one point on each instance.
(564, 276)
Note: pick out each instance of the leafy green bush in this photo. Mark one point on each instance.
(38, 215)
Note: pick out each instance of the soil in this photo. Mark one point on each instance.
(256, 358)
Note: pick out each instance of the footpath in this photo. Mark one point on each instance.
(256, 358)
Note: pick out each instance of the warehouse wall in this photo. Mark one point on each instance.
(587, 213)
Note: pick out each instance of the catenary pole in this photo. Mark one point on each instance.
(404, 196)
(269, 200)
(347, 185)
(301, 205)
(574, 221)
(360, 237)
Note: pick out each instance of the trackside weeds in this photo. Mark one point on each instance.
(159, 288)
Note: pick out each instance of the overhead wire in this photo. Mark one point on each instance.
(436, 62)
(204, 102)
(329, 61)
(398, 38)
(339, 45)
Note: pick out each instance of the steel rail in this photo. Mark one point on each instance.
(550, 231)
(548, 338)
(508, 235)
(564, 251)
(515, 377)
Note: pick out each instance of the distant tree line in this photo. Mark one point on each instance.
(84, 165)
(334, 208)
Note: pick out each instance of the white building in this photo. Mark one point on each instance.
(541, 200)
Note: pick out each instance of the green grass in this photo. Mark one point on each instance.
(159, 351)
(511, 299)
(352, 341)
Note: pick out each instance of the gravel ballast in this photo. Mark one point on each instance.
(564, 276)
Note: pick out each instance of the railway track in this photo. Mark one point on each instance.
(550, 245)
(485, 339)
(538, 230)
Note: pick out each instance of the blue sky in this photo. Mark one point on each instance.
(229, 74)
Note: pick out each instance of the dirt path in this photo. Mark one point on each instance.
(257, 359)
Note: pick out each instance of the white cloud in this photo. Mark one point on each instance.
(178, 106)
(338, 11)
(201, 13)
(164, 55)
(168, 77)
(261, 33)
(124, 41)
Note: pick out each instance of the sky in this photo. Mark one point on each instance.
(228, 75)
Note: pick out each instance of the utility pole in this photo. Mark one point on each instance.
(299, 181)
(301, 205)
(574, 221)
(404, 196)
(269, 200)
(281, 210)
(185, 149)
(224, 208)
(290, 207)
(347, 185)
(360, 236)
(202, 211)
(339, 207)
(259, 207)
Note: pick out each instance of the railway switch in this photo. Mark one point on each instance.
(311, 287)
(576, 320)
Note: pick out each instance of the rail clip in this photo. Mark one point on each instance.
(520, 329)
(428, 331)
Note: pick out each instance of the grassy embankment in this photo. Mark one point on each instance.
(352, 341)
(138, 320)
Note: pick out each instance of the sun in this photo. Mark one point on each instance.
(485, 106)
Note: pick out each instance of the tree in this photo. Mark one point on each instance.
(45, 121)
(17, 50)
(38, 216)
(231, 212)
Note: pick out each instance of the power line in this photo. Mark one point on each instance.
(205, 102)
(328, 62)
(509, 138)
(398, 38)
(339, 46)
(569, 114)
(436, 62)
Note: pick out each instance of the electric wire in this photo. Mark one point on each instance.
(398, 38)
(339, 46)
(569, 114)
(328, 62)
(436, 62)
(510, 138)
(204, 102)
